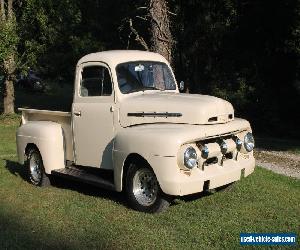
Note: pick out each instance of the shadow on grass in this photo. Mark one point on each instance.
(89, 190)
(15, 233)
(20, 232)
(193, 197)
(17, 169)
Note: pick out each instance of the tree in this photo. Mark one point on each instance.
(8, 51)
(244, 51)
(149, 24)
(161, 37)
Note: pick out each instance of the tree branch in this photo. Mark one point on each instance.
(143, 18)
(128, 41)
(172, 13)
(138, 38)
(142, 7)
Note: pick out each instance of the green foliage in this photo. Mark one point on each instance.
(241, 96)
(246, 52)
(8, 39)
(45, 29)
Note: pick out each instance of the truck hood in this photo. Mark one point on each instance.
(167, 107)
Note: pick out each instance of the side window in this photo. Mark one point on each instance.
(95, 81)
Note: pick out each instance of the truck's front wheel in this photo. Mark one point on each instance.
(143, 191)
(35, 168)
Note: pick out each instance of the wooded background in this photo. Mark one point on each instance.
(246, 52)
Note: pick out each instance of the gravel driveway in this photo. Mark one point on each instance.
(280, 162)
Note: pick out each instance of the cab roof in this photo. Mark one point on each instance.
(114, 57)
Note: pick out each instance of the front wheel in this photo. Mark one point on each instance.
(143, 190)
(35, 168)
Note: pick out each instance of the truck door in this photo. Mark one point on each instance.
(92, 114)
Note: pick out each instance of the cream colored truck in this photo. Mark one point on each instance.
(130, 129)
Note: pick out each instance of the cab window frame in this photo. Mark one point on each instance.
(100, 65)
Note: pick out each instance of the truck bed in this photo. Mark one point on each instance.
(63, 118)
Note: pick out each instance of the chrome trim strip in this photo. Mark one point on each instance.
(154, 114)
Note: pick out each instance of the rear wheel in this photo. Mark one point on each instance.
(143, 190)
(35, 168)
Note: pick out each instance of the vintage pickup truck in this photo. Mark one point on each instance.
(131, 130)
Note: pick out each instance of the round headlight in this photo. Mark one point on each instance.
(190, 158)
(249, 142)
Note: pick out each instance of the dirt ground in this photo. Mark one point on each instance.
(281, 162)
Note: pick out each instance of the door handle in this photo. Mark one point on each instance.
(77, 113)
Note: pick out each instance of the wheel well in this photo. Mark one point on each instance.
(133, 157)
(29, 146)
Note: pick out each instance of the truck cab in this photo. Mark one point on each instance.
(130, 129)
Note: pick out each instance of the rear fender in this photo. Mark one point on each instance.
(48, 138)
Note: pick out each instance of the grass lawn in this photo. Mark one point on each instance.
(75, 216)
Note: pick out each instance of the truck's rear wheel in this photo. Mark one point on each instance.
(143, 191)
(35, 168)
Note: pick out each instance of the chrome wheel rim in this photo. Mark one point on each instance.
(35, 168)
(145, 187)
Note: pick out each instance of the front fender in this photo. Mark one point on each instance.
(48, 138)
(159, 143)
(150, 144)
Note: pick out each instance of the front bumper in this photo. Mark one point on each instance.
(179, 182)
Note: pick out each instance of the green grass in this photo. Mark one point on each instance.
(75, 216)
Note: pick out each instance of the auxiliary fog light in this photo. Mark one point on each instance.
(205, 152)
(239, 143)
(224, 147)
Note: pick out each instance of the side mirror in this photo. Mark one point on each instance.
(181, 86)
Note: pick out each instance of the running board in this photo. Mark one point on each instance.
(83, 176)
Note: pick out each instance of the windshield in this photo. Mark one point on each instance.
(141, 75)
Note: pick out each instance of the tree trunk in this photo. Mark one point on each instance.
(9, 97)
(9, 92)
(2, 11)
(9, 64)
(162, 40)
(10, 12)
